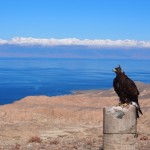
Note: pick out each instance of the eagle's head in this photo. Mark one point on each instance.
(118, 70)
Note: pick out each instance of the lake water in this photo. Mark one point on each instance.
(20, 77)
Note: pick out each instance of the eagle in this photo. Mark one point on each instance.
(126, 90)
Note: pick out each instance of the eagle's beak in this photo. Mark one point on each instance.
(114, 70)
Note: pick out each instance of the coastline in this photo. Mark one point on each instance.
(77, 117)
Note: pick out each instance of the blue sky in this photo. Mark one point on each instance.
(82, 19)
(75, 28)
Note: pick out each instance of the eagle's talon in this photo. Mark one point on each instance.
(120, 104)
(125, 105)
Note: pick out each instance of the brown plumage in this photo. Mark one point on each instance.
(126, 89)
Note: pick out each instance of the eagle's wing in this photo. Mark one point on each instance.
(116, 86)
(130, 87)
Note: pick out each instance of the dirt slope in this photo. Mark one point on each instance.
(75, 118)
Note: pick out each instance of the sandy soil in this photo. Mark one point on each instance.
(65, 122)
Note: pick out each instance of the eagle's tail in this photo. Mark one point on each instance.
(137, 113)
(138, 109)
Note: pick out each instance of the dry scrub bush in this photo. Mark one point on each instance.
(54, 142)
(35, 139)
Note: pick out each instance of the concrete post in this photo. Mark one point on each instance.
(119, 128)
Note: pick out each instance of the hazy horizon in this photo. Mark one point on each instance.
(76, 51)
(75, 29)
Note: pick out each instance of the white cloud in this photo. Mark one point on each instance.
(75, 41)
(2, 41)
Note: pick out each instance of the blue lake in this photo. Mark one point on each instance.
(20, 77)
